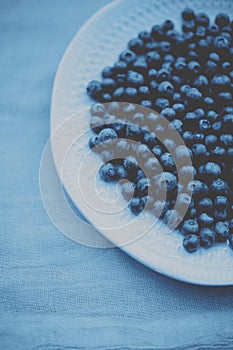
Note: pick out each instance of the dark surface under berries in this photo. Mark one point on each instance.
(187, 77)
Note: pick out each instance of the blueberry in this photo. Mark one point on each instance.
(220, 82)
(108, 85)
(168, 113)
(188, 14)
(200, 113)
(200, 32)
(121, 172)
(167, 161)
(120, 67)
(207, 237)
(201, 82)
(144, 36)
(142, 187)
(177, 124)
(211, 171)
(222, 231)
(152, 166)
(164, 47)
(194, 95)
(188, 137)
(205, 205)
(197, 188)
(161, 103)
(131, 166)
(163, 74)
(105, 97)
(188, 26)
(202, 20)
(217, 126)
(179, 109)
(122, 148)
(130, 94)
(167, 25)
(152, 74)
(157, 32)
(140, 174)
(165, 182)
(198, 137)
(227, 140)
(150, 139)
(153, 85)
(199, 151)
(208, 102)
(119, 94)
(221, 44)
(97, 109)
(211, 68)
(157, 150)
(191, 243)
(146, 103)
(127, 56)
(93, 142)
(152, 119)
(193, 68)
(212, 116)
(153, 59)
(136, 205)
(219, 187)
(136, 45)
(183, 201)
(135, 78)
(172, 218)
(213, 30)
(127, 190)
(94, 89)
(179, 67)
(184, 89)
(138, 118)
(205, 220)
(140, 66)
(107, 172)
(143, 92)
(165, 89)
(228, 122)
(222, 20)
(169, 143)
(224, 98)
(133, 131)
(107, 135)
(187, 171)
(190, 120)
(151, 45)
(107, 72)
(218, 153)
(220, 215)
(182, 154)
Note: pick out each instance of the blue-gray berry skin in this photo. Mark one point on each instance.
(207, 237)
(205, 220)
(190, 226)
(191, 243)
(222, 231)
(136, 205)
(107, 172)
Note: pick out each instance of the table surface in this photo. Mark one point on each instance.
(54, 293)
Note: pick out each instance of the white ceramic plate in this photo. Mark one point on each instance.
(96, 45)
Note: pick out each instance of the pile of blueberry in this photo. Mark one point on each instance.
(186, 77)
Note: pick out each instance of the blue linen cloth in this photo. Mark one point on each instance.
(54, 293)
